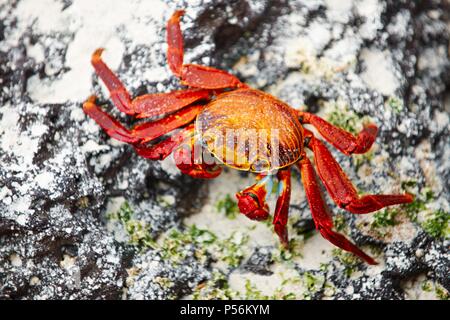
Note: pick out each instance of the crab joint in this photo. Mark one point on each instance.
(252, 200)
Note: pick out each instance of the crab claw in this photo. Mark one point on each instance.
(250, 206)
(252, 200)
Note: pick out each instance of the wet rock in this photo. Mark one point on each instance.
(376, 288)
(436, 259)
(400, 260)
(304, 226)
(53, 245)
(153, 277)
(259, 262)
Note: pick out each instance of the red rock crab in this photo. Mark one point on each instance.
(215, 104)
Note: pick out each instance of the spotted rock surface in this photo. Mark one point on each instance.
(82, 217)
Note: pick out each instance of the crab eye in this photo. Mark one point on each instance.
(260, 165)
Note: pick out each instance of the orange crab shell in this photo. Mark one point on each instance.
(250, 130)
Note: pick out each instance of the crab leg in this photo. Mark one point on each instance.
(161, 150)
(320, 214)
(191, 74)
(280, 218)
(252, 200)
(112, 127)
(341, 139)
(148, 105)
(148, 131)
(342, 190)
(185, 161)
(175, 50)
(142, 132)
(197, 76)
(119, 94)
